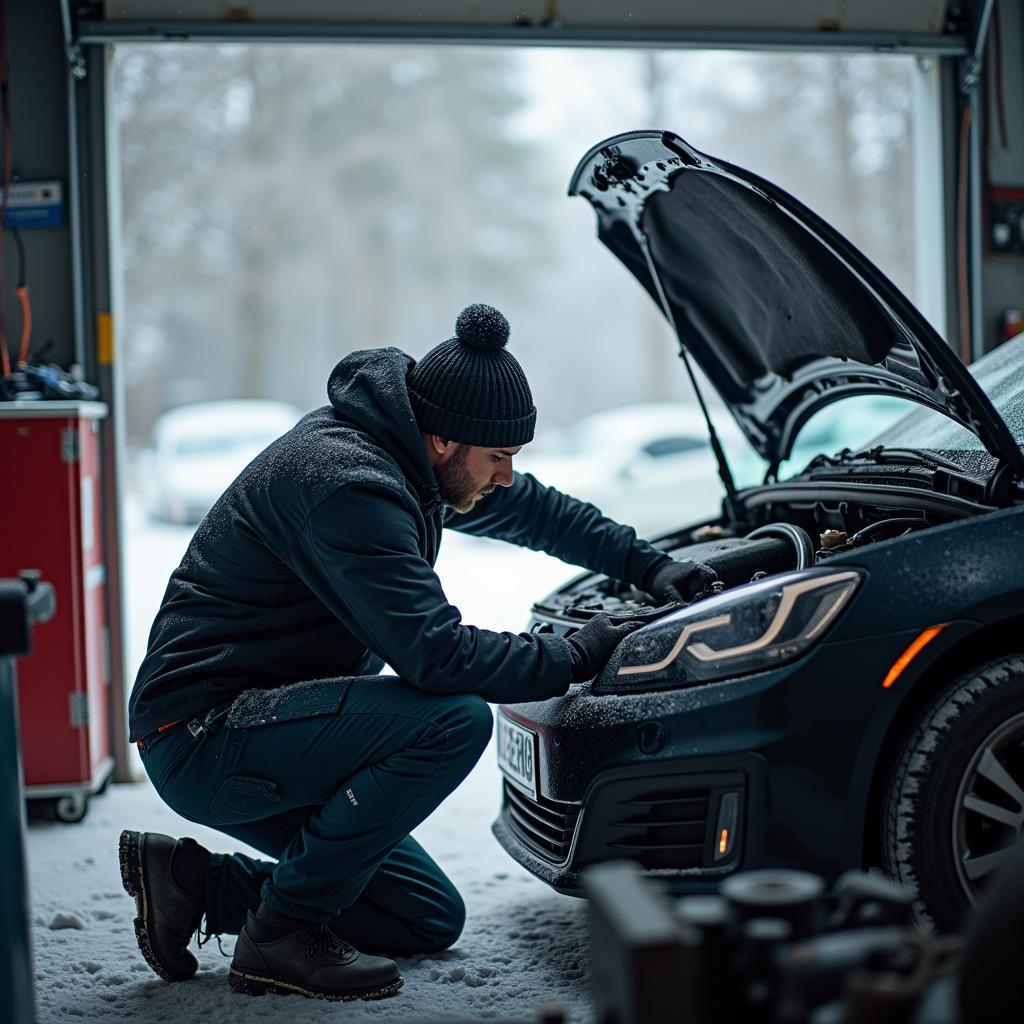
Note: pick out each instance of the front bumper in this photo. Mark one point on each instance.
(643, 776)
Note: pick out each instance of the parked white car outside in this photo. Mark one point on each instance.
(198, 449)
(645, 464)
(650, 464)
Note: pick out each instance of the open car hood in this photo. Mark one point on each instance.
(782, 313)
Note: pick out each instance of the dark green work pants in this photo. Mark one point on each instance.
(330, 788)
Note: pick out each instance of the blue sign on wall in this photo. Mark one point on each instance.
(35, 204)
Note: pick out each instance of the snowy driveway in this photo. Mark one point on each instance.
(523, 944)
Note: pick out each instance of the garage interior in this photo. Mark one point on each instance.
(62, 166)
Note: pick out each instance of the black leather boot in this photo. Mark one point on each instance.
(168, 915)
(312, 961)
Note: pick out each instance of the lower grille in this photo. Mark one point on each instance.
(684, 821)
(545, 826)
(663, 828)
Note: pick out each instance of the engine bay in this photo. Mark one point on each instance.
(793, 536)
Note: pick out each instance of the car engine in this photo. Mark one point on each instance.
(738, 558)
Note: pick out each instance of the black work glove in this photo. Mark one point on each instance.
(591, 646)
(679, 580)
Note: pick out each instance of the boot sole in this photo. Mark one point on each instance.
(133, 878)
(257, 985)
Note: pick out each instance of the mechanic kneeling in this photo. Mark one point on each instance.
(315, 565)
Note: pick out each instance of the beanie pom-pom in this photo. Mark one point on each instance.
(482, 327)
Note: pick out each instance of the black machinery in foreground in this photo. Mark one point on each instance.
(23, 602)
(773, 947)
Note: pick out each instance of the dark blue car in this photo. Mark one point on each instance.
(852, 693)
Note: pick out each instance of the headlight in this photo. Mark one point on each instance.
(749, 629)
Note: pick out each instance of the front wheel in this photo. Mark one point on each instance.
(954, 806)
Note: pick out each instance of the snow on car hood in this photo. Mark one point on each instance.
(782, 313)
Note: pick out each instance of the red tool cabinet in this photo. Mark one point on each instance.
(50, 512)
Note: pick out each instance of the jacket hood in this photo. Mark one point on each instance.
(368, 390)
(782, 313)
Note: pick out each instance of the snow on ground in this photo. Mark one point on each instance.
(523, 946)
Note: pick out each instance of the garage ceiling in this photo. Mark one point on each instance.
(906, 25)
(856, 15)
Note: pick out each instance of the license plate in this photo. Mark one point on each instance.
(517, 754)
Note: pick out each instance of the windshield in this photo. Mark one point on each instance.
(849, 423)
(1001, 376)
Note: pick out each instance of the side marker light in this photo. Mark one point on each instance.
(921, 641)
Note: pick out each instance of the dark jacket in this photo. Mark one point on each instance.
(317, 562)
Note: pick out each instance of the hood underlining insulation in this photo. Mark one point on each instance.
(746, 292)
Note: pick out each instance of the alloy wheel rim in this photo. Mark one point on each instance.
(988, 819)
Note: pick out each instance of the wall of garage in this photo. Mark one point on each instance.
(41, 152)
(1003, 165)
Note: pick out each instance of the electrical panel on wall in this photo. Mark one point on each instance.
(1006, 221)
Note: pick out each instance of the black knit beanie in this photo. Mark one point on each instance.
(471, 390)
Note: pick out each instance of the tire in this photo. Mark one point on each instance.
(954, 804)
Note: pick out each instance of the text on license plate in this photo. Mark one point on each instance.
(517, 754)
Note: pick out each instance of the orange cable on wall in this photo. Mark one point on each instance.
(26, 323)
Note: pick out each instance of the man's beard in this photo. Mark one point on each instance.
(455, 482)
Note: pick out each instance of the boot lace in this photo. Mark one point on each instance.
(320, 941)
(202, 938)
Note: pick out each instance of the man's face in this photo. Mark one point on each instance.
(469, 472)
